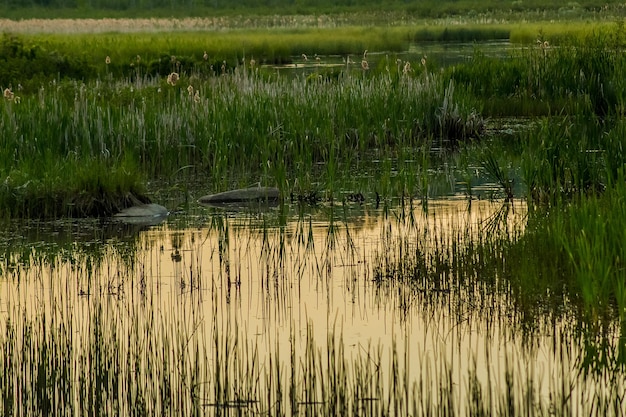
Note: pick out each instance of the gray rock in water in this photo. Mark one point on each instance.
(143, 214)
(242, 195)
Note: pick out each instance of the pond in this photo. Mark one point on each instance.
(435, 54)
(351, 309)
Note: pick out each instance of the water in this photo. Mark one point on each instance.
(435, 55)
(240, 290)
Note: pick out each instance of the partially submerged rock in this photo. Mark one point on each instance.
(143, 214)
(242, 195)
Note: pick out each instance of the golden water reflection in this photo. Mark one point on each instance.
(270, 282)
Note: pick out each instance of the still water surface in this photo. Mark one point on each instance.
(279, 280)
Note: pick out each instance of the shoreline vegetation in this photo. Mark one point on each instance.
(88, 118)
(90, 121)
(373, 11)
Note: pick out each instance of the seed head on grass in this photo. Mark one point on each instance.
(407, 68)
(205, 56)
(190, 89)
(107, 60)
(365, 65)
(8, 94)
(173, 78)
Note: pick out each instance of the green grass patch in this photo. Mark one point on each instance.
(54, 187)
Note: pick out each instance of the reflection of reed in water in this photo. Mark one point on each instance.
(403, 315)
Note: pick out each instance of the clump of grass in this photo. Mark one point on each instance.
(72, 188)
(565, 157)
(572, 257)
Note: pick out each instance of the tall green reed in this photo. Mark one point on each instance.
(576, 76)
(237, 125)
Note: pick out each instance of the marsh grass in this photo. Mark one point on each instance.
(579, 76)
(565, 157)
(238, 125)
(32, 59)
(317, 13)
(570, 258)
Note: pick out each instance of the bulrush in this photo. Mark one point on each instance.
(407, 68)
(8, 94)
(173, 78)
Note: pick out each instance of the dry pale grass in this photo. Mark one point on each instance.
(109, 25)
(218, 23)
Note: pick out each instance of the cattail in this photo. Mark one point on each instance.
(407, 67)
(173, 78)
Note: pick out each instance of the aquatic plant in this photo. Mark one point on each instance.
(239, 125)
(576, 77)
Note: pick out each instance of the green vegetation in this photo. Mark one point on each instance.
(242, 124)
(116, 108)
(422, 9)
(89, 120)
